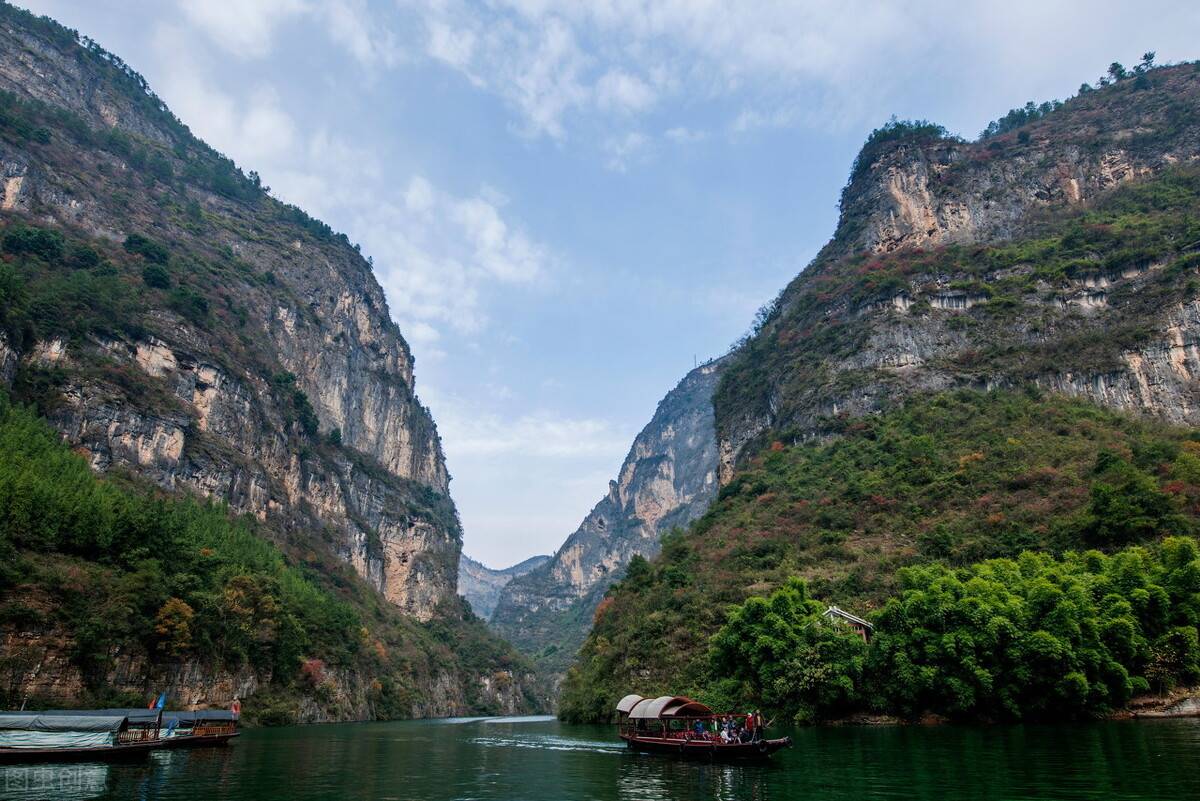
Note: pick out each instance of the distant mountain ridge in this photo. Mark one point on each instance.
(481, 585)
(666, 481)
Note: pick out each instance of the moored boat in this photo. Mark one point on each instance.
(62, 735)
(39, 737)
(677, 725)
(183, 729)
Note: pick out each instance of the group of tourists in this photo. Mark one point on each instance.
(731, 728)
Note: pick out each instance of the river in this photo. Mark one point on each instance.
(531, 759)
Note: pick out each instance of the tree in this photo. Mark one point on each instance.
(173, 626)
(784, 652)
(1117, 72)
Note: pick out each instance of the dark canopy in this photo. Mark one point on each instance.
(19, 721)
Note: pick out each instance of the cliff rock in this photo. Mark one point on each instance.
(666, 481)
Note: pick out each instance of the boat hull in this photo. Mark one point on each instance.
(199, 740)
(706, 749)
(108, 753)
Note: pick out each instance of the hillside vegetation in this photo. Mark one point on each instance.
(119, 570)
(945, 480)
(188, 336)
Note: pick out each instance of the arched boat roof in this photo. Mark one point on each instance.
(667, 706)
(627, 703)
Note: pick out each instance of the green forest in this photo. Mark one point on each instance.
(970, 527)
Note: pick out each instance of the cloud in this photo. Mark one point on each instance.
(617, 90)
(438, 255)
(684, 135)
(540, 435)
(554, 62)
(247, 28)
(622, 150)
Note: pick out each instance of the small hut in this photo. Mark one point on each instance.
(843, 619)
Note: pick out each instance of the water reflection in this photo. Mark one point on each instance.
(647, 777)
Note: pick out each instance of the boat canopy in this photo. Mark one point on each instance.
(25, 730)
(149, 716)
(667, 706)
(627, 703)
(12, 721)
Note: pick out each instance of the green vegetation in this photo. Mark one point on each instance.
(117, 568)
(952, 479)
(1008, 639)
(115, 565)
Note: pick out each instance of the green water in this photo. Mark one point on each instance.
(538, 758)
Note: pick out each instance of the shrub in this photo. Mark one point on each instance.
(26, 240)
(148, 249)
(156, 276)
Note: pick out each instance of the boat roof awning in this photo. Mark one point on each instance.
(15, 721)
(668, 706)
(137, 715)
(627, 703)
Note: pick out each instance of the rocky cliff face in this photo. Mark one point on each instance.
(217, 423)
(217, 343)
(481, 585)
(667, 480)
(925, 286)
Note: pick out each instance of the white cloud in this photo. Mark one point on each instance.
(684, 135)
(554, 61)
(541, 435)
(622, 150)
(247, 28)
(617, 90)
(438, 255)
(243, 27)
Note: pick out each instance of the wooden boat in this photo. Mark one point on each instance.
(109, 734)
(206, 727)
(38, 737)
(667, 725)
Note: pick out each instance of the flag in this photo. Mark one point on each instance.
(160, 702)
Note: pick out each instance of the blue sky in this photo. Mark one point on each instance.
(567, 203)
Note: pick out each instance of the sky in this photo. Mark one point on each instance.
(570, 203)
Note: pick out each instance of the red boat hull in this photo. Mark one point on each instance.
(706, 749)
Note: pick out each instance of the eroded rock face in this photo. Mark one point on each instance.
(920, 194)
(208, 413)
(667, 480)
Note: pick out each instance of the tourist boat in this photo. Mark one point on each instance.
(667, 725)
(204, 727)
(201, 727)
(109, 734)
(40, 737)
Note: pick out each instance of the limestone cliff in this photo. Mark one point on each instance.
(925, 285)
(223, 428)
(667, 480)
(234, 349)
(480, 585)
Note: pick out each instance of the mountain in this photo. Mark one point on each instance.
(996, 352)
(666, 481)
(189, 336)
(481, 585)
